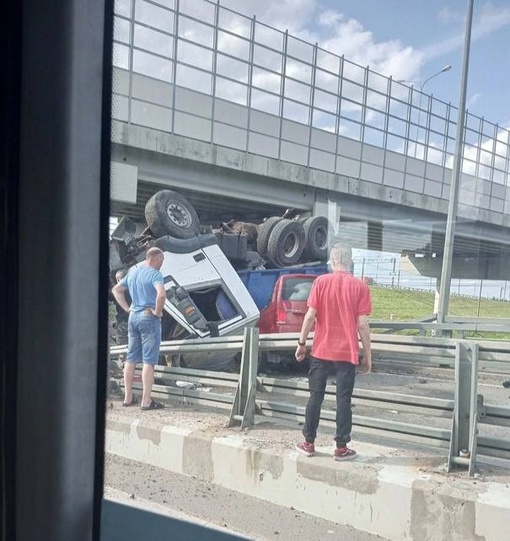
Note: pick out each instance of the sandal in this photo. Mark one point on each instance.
(153, 406)
(132, 403)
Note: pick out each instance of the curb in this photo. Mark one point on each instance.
(400, 498)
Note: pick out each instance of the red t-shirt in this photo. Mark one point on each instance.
(339, 298)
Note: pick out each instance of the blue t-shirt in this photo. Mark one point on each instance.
(141, 283)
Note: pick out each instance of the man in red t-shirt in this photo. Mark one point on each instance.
(339, 305)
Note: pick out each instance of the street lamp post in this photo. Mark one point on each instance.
(448, 67)
(446, 269)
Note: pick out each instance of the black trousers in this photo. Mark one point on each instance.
(345, 373)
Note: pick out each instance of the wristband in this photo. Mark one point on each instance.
(301, 343)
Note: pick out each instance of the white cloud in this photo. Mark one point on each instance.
(292, 15)
(473, 100)
(448, 16)
(336, 33)
(359, 46)
(488, 20)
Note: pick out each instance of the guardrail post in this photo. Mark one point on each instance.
(463, 442)
(243, 408)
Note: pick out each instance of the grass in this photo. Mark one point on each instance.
(409, 305)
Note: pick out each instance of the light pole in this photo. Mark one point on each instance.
(446, 268)
(448, 67)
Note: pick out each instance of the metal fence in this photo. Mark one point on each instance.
(248, 394)
(197, 69)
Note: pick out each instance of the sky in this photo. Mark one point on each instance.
(410, 40)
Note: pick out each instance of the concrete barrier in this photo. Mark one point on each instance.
(395, 493)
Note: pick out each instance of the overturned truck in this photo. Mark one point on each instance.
(205, 295)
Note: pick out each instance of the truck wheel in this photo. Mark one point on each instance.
(286, 243)
(169, 213)
(264, 234)
(317, 234)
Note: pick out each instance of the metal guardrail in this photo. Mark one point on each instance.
(247, 394)
(454, 325)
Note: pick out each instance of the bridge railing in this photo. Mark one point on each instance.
(204, 71)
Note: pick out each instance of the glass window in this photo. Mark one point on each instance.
(153, 66)
(235, 22)
(326, 101)
(196, 32)
(266, 80)
(233, 45)
(328, 61)
(299, 49)
(296, 289)
(326, 81)
(297, 91)
(123, 7)
(122, 30)
(154, 16)
(270, 37)
(154, 41)
(232, 68)
(298, 70)
(266, 58)
(188, 53)
(194, 79)
(199, 9)
(120, 56)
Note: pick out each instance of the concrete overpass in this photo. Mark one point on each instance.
(233, 154)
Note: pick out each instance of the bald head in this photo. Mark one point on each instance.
(340, 256)
(154, 257)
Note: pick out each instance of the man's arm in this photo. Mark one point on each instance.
(364, 334)
(160, 300)
(308, 322)
(119, 292)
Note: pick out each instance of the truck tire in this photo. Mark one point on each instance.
(286, 243)
(169, 213)
(264, 234)
(317, 234)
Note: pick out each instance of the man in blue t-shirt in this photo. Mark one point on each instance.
(146, 289)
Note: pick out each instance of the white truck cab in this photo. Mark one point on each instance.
(205, 295)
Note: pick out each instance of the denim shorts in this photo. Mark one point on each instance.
(144, 338)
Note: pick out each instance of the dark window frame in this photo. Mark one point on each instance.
(54, 189)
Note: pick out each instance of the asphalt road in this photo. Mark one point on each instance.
(198, 501)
